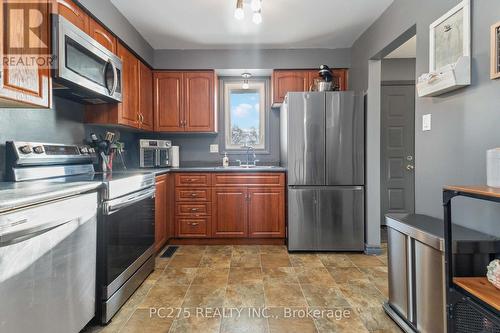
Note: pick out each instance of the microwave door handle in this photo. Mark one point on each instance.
(157, 158)
(115, 78)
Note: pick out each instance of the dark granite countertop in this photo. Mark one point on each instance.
(159, 171)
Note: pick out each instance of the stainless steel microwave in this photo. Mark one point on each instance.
(154, 153)
(83, 69)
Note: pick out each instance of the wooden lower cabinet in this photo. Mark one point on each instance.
(193, 226)
(229, 211)
(266, 212)
(161, 212)
(228, 206)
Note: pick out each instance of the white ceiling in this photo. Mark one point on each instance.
(210, 24)
(407, 50)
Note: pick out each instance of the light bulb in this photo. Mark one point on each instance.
(256, 5)
(239, 14)
(257, 18)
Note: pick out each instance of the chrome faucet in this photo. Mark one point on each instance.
(248, 164)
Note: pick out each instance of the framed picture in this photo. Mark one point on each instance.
(450, 37)
(495, 51)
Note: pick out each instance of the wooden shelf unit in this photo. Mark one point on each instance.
(481, 288)
(471, 300)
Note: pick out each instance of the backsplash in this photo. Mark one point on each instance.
(46, 125)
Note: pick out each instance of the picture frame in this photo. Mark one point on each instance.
(495, 51)
(450, 37)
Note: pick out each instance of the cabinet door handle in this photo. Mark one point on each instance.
(194, 223)
(194, 209)
(194, 195)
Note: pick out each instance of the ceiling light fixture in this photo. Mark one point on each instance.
(256, 5)
(246, 77)
(239, 13)
(257, 17)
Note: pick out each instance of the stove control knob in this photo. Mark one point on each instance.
(38, 149)
(84, 150)
(91, 150)
(26, 149)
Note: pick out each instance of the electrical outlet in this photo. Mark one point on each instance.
(426, 122)
(214, 148)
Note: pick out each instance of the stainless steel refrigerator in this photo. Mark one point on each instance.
(322, 146)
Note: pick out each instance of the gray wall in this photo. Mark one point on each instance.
(46, 125)
(251, 59)
(464, 122)
(398, 69)
(108, 14)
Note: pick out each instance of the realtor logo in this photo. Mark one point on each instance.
(26, 27)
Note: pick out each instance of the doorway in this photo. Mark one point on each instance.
(397, 133)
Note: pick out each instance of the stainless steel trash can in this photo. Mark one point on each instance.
(416, 273)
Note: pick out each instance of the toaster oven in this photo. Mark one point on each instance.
(154, 153)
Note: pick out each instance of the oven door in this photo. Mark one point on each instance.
(128, 238)
(84, 65)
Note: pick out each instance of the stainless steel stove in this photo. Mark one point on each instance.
(125, 232)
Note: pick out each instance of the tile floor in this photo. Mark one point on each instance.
(196, 290)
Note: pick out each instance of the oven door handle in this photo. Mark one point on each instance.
(113, 206)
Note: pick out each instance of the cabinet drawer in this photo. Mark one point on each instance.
(193, 226)
(192, 194)
(192, 209)
(248, 179)
(192, 179)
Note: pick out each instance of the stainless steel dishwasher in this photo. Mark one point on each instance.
(48, 266)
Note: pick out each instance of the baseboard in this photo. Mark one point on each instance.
(226, 241)
(373, 249)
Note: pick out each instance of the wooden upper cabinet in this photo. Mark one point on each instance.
(199, 101)
(285, 81)
(102, 35)
(339, 77)
(229, 212)
(168, 108)
(22, 85)
(70, 11)
(184, 101)
(130, 87)
(146, 97)
(266, 212)
(297, 80)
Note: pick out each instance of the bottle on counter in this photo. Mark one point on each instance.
(225, 161)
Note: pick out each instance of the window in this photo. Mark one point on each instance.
(244, 114)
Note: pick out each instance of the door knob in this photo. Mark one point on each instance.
(410, 167)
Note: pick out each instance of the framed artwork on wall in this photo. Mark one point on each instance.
(450, 37)
(495, 51)
(449, 53)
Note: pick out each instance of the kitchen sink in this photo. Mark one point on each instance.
(246, 167)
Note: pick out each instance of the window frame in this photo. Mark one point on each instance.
(226, 84)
